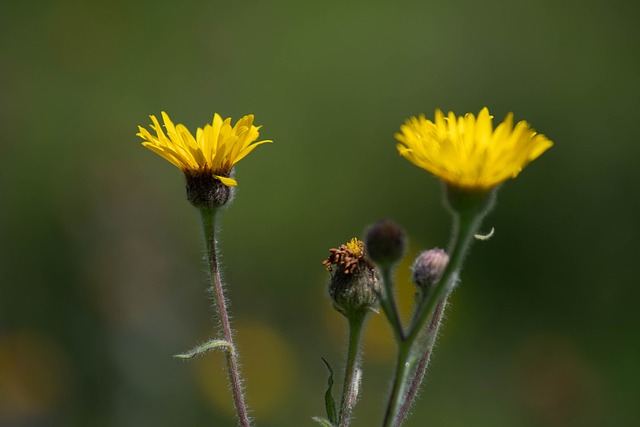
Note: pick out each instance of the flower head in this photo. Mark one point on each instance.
(348, 257)
(354, 285)
(214, 150)
(467, 152)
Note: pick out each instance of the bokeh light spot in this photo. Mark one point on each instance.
(268, 365)
(34, 374)
(555, 382)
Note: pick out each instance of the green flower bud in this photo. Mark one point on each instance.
(386, 242)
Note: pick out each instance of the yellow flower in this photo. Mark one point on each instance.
(467, 152)
(348, 256)
(356, 247)
(215, 149)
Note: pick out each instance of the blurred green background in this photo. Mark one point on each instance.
(101, 278)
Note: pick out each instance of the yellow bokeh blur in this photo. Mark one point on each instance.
(268, 365)
(34, 374)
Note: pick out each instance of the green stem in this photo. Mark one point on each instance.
(388, 303)
(352, 370)
(208, 223)
(466, 225)
(399, 383)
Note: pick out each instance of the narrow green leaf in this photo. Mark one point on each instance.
(203, 348)
(329, 403)
(322, 421)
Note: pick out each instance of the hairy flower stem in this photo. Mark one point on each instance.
(421, 369)
(465, 226)
(352, 375)
(208, 222)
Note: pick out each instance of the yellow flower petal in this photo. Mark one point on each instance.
(215, 149)
(249, 149)
(165, 153)
(229, 182)
(466, 151)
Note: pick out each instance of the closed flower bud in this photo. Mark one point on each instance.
(429, 267)
(354, 284)
(386, 242)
